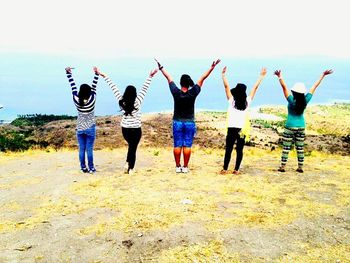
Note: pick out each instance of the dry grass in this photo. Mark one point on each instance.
(152, 201)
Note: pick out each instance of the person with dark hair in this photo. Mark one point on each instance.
(130, 105)
(294, 131)
(84, 101)
(184, 127)
(237, 118)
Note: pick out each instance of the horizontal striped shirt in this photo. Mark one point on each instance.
(86, 112)
(133, 120)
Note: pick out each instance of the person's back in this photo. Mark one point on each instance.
(296, 119)
(184, 102)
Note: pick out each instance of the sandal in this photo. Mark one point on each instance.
(300, 170)
(281, 169)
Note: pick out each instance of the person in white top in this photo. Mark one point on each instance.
(238, 104)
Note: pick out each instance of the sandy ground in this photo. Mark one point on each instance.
(50, 212)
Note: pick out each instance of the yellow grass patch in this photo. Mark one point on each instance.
(213, 251)
(322, 253)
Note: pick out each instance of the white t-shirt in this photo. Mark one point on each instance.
(236, 118)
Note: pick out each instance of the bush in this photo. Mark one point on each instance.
(14, 141)
(38, 119)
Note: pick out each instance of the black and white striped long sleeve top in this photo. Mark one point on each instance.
(86, 112)
(133, 120)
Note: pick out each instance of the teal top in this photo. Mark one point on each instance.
(295, 120)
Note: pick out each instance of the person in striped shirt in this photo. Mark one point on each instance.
(84, 100)
(130, 105)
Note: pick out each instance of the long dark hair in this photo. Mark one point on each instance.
(186, 81)
(84, 93)
(127, 102)
(300, 102)
(240, 96)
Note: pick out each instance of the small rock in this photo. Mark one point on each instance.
(187, 202)
(140, 235)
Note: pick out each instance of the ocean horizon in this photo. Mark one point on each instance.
(37, 84)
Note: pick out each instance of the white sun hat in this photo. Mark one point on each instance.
(299, 87)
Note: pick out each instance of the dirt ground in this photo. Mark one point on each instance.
(50, 212)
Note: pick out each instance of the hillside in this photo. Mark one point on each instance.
(50, 212)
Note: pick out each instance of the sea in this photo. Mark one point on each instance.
(37, 84)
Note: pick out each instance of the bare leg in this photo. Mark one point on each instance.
(187, 155)
(177, 155)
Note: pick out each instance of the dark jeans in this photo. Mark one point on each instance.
(86, 139)
(132, 136)
(231, 137)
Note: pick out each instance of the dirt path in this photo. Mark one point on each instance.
(50, 212)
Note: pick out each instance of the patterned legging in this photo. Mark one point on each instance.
(296, 135)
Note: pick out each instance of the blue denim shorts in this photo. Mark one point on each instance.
(183, 133)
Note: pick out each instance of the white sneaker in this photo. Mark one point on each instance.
(131, 171)
(178, 169)
(185, 170)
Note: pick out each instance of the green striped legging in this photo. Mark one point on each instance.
(290, 136)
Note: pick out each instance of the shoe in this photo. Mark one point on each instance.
(84, 170)
(224, 171)
(300, 170)
(281, 169)
(178, 169)
(131, 172)
(126, 168)
(185, 170)
(92, 171)
(235, 172)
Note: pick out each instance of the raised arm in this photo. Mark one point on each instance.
(142, 93)
(283, 84)
(257, 83)
(95, 80)
(71, 80)
(114, 88)
(164, 72)
(207, 73)
(226, 85)
(318, 82)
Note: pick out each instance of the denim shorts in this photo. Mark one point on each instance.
(183, 133)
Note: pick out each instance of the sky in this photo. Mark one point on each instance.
(181, 28)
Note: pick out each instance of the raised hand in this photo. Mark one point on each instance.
(69, 69)
(96, 70)
(327, 72)
(224, 70)
(264, 71)
(99, 72)
(213, 65)
(158, 63)
(278, 73)
(152, 73)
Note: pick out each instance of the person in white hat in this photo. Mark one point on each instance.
(295, 125)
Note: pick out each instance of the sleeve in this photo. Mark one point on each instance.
(94, 83)
(195, 90)
(230, 100)
(114, 88)
(142, 93)
(308, 97)
(72, 83)
(290, 99)
(249, 101)
(73, 86)
(173, 88)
